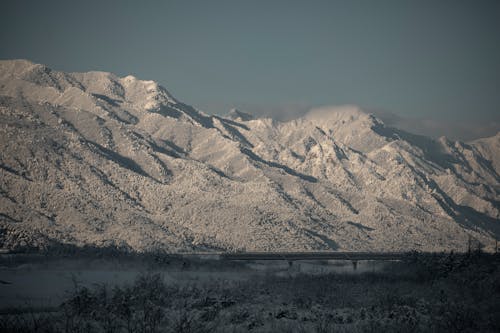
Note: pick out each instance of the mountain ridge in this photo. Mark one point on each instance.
(93, 158)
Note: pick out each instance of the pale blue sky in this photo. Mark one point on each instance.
(418, 59)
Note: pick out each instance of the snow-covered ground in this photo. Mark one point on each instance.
(43, 282)
(439, 293)
(93, 158)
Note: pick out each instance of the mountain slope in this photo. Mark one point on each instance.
(92, 158)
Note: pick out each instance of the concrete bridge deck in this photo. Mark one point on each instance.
(292, 256)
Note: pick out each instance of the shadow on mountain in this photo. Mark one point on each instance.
(160, 149)
(110, 101)
(8, 218)
(360, 226)
(433, 150)
(105, 179)
(168, 111)
(178, 110)
(311, 196)
(175, 147)
(15, 172)
(286, 169)
(163, 146)
(203, 120)
(472, 220)
(467, 217)
(430, 147)
(121, 160)
(235, 133)
(232, 123)
(330, 243)
(219, 172)
(488, 165)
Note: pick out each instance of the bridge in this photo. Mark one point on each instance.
(294, 256)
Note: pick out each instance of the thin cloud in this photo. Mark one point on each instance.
(283, 112)
(463, 130)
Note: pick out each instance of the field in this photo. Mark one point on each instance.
(420, 293)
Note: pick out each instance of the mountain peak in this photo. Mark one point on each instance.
(352, 126)
(20, 68)
(11, 65)
(236, 114)
(337, 113)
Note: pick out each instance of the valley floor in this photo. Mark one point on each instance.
(442, 293)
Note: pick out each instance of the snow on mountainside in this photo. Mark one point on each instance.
(93, 158)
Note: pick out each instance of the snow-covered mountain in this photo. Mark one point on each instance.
(93, 158)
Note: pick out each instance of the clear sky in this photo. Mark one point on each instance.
(428, 60)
